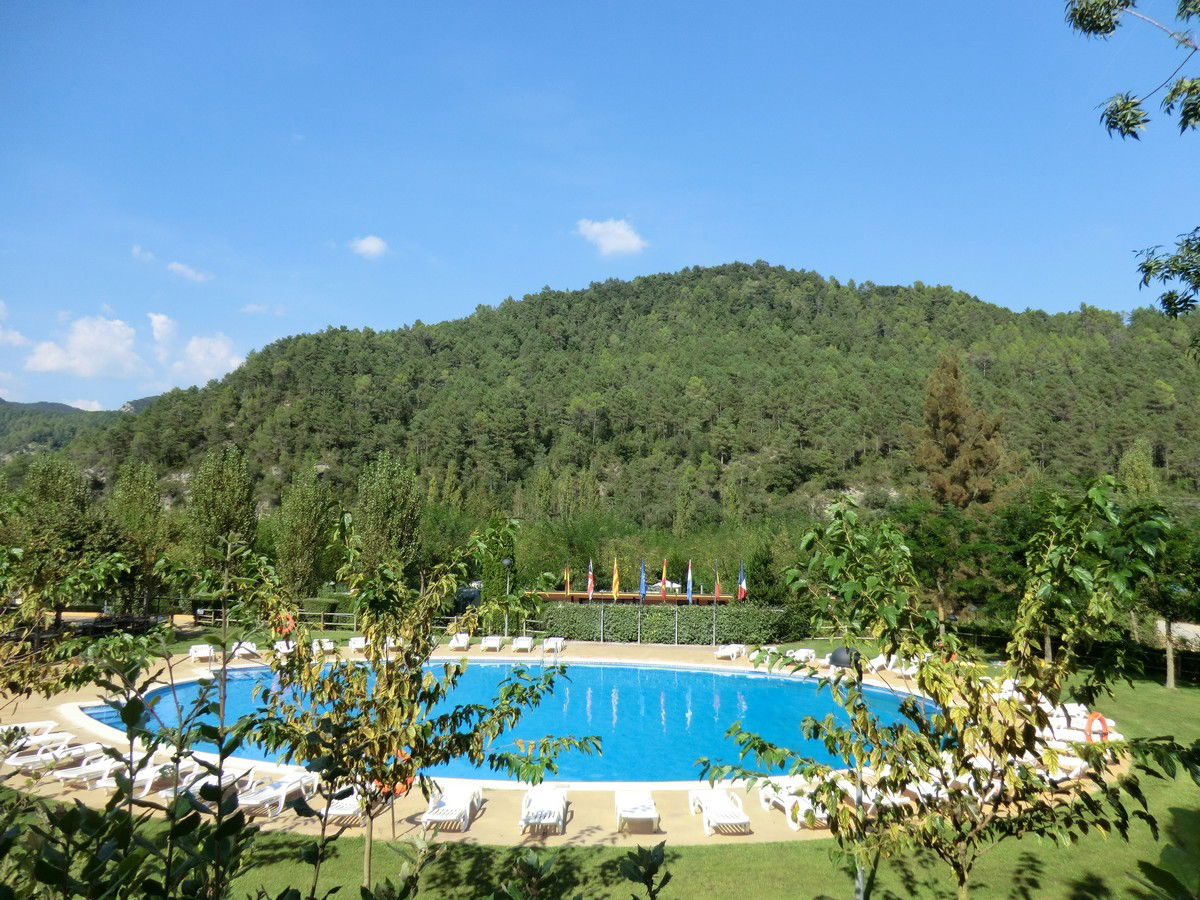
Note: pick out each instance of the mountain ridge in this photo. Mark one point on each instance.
(695, 395)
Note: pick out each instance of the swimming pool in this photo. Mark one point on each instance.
(653, 722)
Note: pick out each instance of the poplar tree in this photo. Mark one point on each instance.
(306, 524)
(387, 513)
(136, 508)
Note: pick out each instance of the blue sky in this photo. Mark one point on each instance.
(183, 185)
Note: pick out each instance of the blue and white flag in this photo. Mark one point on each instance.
(642, 583)
(689, 582)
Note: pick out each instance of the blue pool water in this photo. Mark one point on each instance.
(653, 722)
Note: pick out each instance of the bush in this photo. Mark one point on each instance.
(742, 623)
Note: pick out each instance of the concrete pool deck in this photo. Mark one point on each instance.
(590, 816)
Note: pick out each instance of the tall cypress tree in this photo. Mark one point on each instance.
(959, 450)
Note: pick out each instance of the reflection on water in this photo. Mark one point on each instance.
(687, 716)
(615, 699)
(588, 705)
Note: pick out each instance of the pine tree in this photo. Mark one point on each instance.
(387, 514)
(306, 521)
(960, 450)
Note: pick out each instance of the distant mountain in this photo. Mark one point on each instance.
(704, 394)
(34, 427)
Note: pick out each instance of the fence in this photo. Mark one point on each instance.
(319, 620)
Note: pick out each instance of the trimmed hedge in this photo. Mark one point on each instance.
(742, 624)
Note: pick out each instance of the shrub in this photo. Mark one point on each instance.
(740, 623)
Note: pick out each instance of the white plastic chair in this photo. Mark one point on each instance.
(554, 644)
(268, 796)
(245, 648)
(358, 643)
(492, 642)
(719, 810)
(321, 646)
(523, 644)
(460, 641)
(283, 648)
(730, 651)
(454, 805)
(636, 806)
(201, 653)
(544, 807)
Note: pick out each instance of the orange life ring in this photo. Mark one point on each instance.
(287, 624)
(1087, 729)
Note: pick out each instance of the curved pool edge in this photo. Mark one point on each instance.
(74, 714)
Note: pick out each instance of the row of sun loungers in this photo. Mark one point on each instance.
(358, 644)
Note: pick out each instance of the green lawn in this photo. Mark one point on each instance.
(1095, 867)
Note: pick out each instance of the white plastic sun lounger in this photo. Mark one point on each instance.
(245, 648)
(49, 755)
(636, 806)
(349, 808)
(321, 646)
(730, 651)
(283, 648)
(523, 644)
(544, 807)
(145, 779)
(460, 641)
(881, 663)
(492, 642)
(801, 655)
(453, 806)
(358, 643)
(94, 768)
(268, 797)
(201, 653)
(554, 644)
(28, 746)
(792, 796)
(719, 810)
(231, 777)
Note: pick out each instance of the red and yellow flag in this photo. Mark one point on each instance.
(663, 584)
(616, 579)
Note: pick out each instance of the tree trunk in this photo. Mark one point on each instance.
(1169, 643)
(1047, 645)
(368, 841)
(941, 611)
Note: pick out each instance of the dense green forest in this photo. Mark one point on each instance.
(33, 427)
(683, 400)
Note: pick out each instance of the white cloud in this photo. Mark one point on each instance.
(610, 237)
(94, 346)
(8, 336)
(261, 309)
(140, 253)
(186, 271)
(369, 247)
(89, 405)
(207, 357)
(163, 328)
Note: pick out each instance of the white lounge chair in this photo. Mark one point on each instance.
(881, 663)
(147, 777)
(801, 655)
(349, 808)
(460, 641)
(283, 648)
(201, 653)
(390, 643)
(730, 651)
(636, 806)
(50, 754)
(29, 744)
(245, 648)
(454, 805)
(544, 806)
(719, 810)
(231, 777)
(358, 644)
(523, 644)
(492, 642)
(554, 644)
(268, 796)
(93, 768)
(321, 646)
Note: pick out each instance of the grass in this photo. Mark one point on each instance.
(1095, 867)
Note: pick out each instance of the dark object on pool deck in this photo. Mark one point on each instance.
(844, 657)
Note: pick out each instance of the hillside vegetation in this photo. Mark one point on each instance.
(683, 399)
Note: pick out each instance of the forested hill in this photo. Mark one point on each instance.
(699, 394)
(26, 427)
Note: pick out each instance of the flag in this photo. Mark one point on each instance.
(616, 579)
(642, 583)
(591, 580)
(741, 585)
(567, 579)
(663, 583)
(717, 586)
(689, 582)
